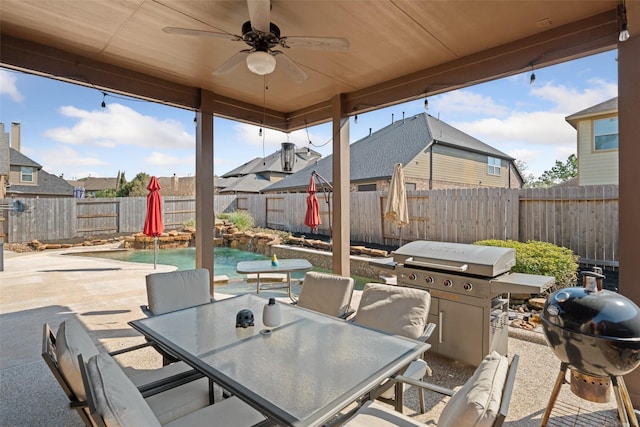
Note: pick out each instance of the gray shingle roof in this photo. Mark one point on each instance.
(16, 158)
(251, 183)
(608, 105)
(374, 156)
(48, 185)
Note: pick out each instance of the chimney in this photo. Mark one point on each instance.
(15, 136)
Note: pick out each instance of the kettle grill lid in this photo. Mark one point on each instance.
(600, 313)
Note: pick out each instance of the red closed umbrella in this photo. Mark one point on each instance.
(153, 226)
(312, 217)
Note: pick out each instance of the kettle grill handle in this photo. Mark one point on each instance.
(461, 268)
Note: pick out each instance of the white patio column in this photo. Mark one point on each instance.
(341, 185)
(204, 185)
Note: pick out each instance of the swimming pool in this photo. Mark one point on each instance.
(224, 260)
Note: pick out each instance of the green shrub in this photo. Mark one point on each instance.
(242, 220)
(542, 258)
(190, 223)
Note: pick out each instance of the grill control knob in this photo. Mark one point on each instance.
(467, 286)
(413, 276)
(447, 283)
(429, 279)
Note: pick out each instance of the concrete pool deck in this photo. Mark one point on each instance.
(49, 287)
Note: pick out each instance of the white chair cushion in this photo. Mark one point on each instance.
(231, 412)
(326, 293)
(72, 340)
(180, 401)
(394, 309)
(477, 403)
(176, 290)
(375, 415)
(118, 401)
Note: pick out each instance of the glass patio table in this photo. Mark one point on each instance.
(301, 373)
(264, 266)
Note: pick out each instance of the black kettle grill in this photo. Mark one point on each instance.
(595, 333)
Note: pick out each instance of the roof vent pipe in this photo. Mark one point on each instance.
(403, 117)
(369, 131)
(391, 118)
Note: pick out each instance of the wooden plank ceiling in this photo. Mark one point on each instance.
(399, 50)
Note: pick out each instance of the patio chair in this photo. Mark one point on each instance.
(176, 290)
(187, 389)
(113, 400)
(327, 293)
(400, 311)
(483, 401)
(173, 291)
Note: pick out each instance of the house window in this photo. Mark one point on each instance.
(605, 134)
(367, 187)
(26, 174)
(493, 166)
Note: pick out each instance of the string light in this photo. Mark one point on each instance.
(104, 104)
(355, 119)
(624, 29)
(532, 79)
(426, 104)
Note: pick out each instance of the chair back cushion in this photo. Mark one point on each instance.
(477, 403)
(117, 400)
(177, 290)
(326, 293)
(72, 340)
(394, 309)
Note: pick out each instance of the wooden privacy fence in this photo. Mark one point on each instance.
(63, 218)
(584, 219)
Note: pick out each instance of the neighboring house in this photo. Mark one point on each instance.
(169, 186)
(259, 173)
(597, 128)
(20, 176)
(92, 185)
(433, 155)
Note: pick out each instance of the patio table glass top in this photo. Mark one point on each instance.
(301, 374)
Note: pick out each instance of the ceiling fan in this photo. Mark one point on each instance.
(263, 38)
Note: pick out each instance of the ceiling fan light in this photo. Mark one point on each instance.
(261, 63)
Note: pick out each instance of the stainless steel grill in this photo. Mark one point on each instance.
(469, 286)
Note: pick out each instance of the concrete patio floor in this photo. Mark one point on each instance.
(49, 287)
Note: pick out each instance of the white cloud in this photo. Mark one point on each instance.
(468, 102)
(64, 159)
(538, 138)
(119, 125)
(570, 100)
(250, 134)
(8, 86)
(163, 159)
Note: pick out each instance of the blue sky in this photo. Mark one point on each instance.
(64, 128)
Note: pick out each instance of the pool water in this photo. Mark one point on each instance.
(224, 261)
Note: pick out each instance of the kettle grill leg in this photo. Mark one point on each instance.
(554, 393)
(625, 409)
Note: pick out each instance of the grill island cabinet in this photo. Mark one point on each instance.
(469, 286)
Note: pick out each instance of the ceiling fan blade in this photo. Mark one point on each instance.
(260, 15)
(198, 33)
(289, 67)
(317, 43)
(232, 62)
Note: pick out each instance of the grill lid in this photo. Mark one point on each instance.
(488, 261)
(601, 313)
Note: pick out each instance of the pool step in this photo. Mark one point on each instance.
(222, 278)
(267, 277)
